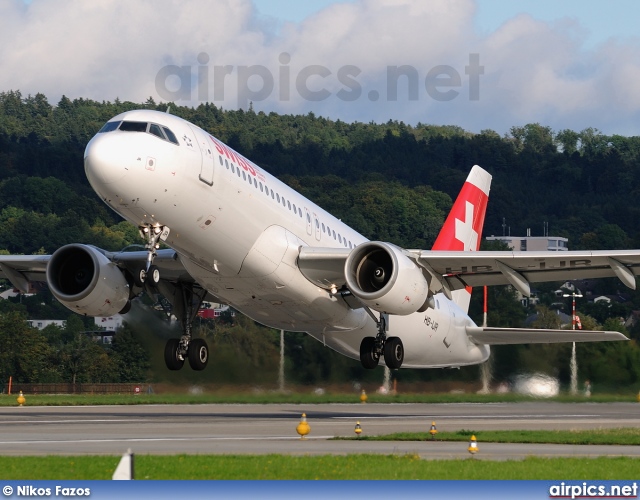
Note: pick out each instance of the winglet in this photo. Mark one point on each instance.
(463, 228)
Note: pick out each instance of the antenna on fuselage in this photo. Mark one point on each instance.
(168, 111)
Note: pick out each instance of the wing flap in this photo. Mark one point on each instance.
(504, 336)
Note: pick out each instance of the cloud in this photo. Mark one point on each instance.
(366, 60)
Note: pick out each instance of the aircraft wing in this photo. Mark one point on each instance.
(454, 270)
(20, 270)
(503, 336)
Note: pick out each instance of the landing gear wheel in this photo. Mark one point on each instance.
(198, 354)
(369, 356)
(393, 353)
(153, 275)
(140, 277)
(171, 355)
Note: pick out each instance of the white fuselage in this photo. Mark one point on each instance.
(238, 230)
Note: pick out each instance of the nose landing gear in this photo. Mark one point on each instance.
(152, 234)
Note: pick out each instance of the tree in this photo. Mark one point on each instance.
(129, 356)
(546, 318)
(24, 351)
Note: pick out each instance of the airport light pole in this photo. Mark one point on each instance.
(281, 370)
(574, 362)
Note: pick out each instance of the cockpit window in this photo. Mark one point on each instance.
(134, 126)
(152, 128)
(109, 126)
(170, 135)
(156, 130)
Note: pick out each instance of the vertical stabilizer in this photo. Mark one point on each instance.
(463, 228)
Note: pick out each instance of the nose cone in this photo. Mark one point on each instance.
(105, 161)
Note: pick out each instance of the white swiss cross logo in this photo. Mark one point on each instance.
(464, 229)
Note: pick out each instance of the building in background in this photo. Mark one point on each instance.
(530, 243)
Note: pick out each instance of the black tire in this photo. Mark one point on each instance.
(171, 358)
(393, 353)
(153, 275)
(369, 357)
(198, 354)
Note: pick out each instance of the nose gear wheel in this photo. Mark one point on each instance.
(152, 234)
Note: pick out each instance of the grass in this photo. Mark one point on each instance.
(317, 467)
(620, 436)
(291, 398)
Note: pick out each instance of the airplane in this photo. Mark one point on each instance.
(237, 235)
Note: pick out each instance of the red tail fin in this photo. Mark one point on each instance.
(463, 228)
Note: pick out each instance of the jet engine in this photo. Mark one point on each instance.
(385, 279)
(86, 282)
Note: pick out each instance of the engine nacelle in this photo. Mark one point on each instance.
(86, 282)
(385, 279)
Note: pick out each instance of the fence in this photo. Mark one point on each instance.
(63, 388)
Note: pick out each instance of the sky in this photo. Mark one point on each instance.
(477, 64)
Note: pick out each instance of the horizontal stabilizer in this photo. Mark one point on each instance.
(503, 336)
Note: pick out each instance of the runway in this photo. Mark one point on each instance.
(263, 429)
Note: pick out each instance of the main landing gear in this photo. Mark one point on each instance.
(186, 347)
(371, 348)
(184, 297)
